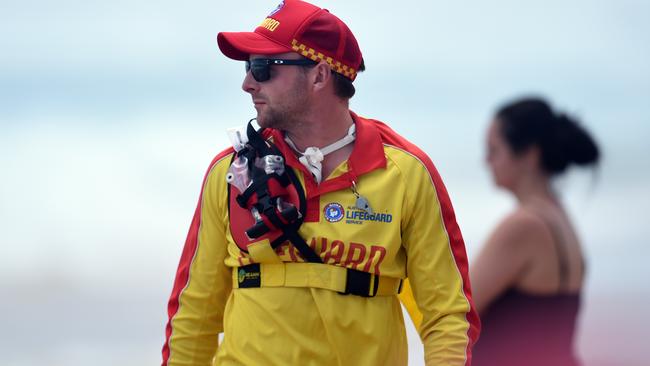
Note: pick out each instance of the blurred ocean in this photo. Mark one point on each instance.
(111, 112)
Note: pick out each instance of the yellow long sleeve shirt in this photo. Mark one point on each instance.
(412, 233)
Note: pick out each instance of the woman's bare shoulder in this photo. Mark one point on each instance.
(519, 229)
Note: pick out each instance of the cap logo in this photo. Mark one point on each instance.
(277, 8)
(270, 24)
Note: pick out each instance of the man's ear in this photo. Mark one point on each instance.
(322, 74)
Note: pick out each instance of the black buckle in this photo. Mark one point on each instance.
(358, 283)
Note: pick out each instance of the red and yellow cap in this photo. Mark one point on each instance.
(298, 26)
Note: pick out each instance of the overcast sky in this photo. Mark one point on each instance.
(111, 111)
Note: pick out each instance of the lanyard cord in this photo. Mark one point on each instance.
(312, 157)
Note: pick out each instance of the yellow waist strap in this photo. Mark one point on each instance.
(325, 276)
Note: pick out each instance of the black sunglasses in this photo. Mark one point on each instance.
(261, 67)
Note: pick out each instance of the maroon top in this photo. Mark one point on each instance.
(522, 329)
(526, 329)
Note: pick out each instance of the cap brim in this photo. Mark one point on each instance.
(240, 45)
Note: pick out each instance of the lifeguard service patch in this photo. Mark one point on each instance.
(333, 212)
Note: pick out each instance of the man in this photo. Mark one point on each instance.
(302, 266)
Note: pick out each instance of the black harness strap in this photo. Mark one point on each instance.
(357, 282)
(266, 205)
(258, 186)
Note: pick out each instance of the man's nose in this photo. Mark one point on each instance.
(250, 85)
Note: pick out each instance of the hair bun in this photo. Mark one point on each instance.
(579, 147)
(531, 122)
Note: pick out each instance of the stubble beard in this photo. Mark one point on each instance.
(288, 114)
(279, 118)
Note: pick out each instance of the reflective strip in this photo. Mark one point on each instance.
(315, 275)
(338, 66)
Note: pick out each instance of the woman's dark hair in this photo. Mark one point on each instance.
(561, 139)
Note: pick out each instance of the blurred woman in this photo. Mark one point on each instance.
(529, 275)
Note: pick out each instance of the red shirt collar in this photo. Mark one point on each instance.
(367, 155)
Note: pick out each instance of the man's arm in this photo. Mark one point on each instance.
(437, 270)
(203, 282)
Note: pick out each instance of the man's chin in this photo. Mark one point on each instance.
(270, 120)
(265, 121)
(261, 121)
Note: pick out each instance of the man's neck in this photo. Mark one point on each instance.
(322, 129)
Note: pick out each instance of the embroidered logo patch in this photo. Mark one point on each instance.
(249, 276)
(277, 8)
(333, 212)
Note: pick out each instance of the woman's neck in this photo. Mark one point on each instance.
(534, 189)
